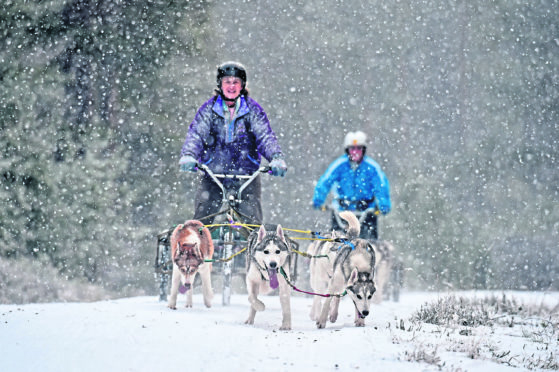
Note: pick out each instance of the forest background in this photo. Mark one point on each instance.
(459, 100)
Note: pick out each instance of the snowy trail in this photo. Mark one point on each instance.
(141, 334)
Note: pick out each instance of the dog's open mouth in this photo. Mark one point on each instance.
(184, 287)
(273, 275)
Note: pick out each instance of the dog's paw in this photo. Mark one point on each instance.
(360, 323)
(285, 326)
(249, 321)
(188, 305)
(172, 307)
(208, 300)
(320, 325)
(333, 318)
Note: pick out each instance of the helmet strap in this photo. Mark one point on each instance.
(229, 102)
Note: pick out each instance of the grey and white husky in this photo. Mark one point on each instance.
(268, 253)
(385, 262)
(350, 267)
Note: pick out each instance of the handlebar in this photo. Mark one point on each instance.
(205, 168)
(249, 177)
(361, 215)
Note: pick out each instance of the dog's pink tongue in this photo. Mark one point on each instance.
(273, 278)
(184, 288)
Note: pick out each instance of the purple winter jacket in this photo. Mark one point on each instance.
(231, 147)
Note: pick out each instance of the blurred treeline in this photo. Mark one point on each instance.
(459, 99)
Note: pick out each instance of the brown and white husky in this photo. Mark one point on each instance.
(191, 244)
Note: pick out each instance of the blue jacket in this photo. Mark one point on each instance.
(366, 183)
(231, 147)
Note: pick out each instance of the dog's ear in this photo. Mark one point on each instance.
(177, 251)
(353, 277)
(261, 234)
(279, 233)
(371, 249)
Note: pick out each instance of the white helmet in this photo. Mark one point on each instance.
(355, 139)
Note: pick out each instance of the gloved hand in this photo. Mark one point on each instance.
(318, 207)
(188, 164)
(279, 168)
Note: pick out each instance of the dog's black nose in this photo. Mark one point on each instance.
(273, 264)
(365, 312)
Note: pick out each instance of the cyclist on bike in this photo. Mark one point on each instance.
(359, 184)
(230, 133)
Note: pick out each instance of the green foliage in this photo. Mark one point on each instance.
(77, 119)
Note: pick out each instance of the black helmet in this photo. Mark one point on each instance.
(231, 69)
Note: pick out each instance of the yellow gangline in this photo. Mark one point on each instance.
(252, 225)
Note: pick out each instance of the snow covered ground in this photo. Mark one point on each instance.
(141, 334)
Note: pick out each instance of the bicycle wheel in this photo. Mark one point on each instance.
(164, 256)
(226, 268)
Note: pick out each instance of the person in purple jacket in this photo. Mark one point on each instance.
(230, 134)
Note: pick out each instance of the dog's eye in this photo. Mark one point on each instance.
(266, 252)
(369, 297)
(278, 251)
(359, 297)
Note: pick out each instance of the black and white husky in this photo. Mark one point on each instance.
(350, 267)
(268, 253)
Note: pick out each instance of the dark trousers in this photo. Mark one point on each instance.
(369, 227)
(208, 199)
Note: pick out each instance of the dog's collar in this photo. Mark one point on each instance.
(345, 242)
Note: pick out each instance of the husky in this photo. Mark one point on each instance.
(191, 244)
(321, 268)
(350, 267)
(268, 253)
(385, 260)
